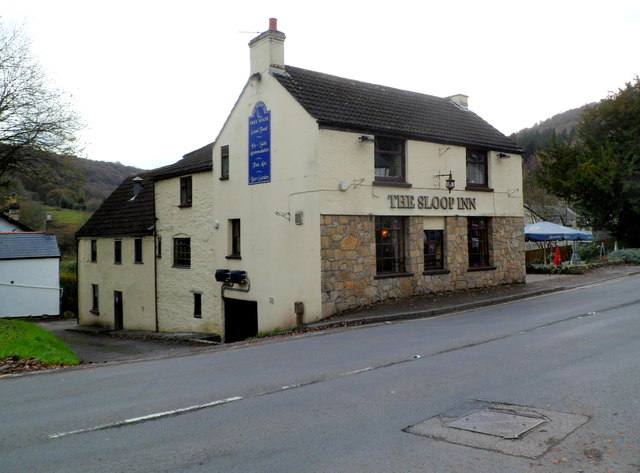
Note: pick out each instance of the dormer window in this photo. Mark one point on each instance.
(185, 191)
(389, 160)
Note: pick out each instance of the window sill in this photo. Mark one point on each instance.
(182, 206)
(481, 268)
(393, 275)
(94, 312)
(138, 262)
(233, 257)
(181, 266)
(224, 178)
(117, 262)
(433, 272)
(406, 185)
(479, 189)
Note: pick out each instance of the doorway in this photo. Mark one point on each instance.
(240, 320)
(118, 322)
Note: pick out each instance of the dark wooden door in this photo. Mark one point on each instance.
(118, 315)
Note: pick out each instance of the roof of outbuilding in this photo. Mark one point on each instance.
(19, 225)
(24, 245)
(336, 102)
(122, 215)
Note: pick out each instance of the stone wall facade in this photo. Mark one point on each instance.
(348, 252)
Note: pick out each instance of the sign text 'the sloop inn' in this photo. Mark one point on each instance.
(425, 202)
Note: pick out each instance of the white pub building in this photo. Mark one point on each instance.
(320, 194)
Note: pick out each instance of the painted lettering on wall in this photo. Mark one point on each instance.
(260, 144)
(397, 201)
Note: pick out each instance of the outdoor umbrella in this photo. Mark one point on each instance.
(547, 231)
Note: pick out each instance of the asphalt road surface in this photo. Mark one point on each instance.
(367, 399)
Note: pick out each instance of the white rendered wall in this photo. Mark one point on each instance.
(176, 286)
(282, 259)
(136, 282)
(29, 287)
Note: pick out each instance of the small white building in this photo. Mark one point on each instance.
(29, 272)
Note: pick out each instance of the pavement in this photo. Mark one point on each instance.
(98, 345)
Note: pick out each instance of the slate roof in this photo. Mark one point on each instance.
(348, 104)
(200, 160)
(16, 223)
(120, 215)
(28, 245)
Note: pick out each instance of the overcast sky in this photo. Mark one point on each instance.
(154, 80)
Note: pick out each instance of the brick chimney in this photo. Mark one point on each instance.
(267, 50)
(460, 100)
(49, 227)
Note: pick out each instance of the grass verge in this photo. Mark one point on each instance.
(26, 340)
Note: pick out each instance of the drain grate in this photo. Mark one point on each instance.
(498, 423)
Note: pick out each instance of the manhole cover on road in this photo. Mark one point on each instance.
(520, 431)
(498, 423)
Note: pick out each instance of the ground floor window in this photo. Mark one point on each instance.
(94, 299)
(390, 245)
(433, 252)
(197, 305)
(478, 236)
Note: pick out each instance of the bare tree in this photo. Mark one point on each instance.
(37, 124)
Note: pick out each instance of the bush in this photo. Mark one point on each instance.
(69, 286)
(589, 251)
(627, 256)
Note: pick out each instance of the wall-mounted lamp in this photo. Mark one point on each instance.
(366, 139)
(451, 182)
(504, 155)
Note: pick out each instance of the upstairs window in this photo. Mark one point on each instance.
(185, 191)
(94, 251)
(117, 251)
(433, 256)
(389, 160)
(137, 253)
(224, 162)
(477, 169)
(182, 252)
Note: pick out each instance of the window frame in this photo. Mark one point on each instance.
(94, 251)
(182, 252)
(380, 150)
(117, 251)
(235, 239)
(483, 163)
(137, 251)
(431, 262)
(186, 191)
(393, 228)
(224, 162)
(197, 305)
(480, 258)
(95, 299)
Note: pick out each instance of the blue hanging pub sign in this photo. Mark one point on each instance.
(260, 144)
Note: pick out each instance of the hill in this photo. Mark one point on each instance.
(563, 124)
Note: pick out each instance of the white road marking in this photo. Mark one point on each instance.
(156, 415)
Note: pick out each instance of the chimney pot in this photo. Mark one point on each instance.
(273, 24)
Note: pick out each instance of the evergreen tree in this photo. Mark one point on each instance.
(599, 170)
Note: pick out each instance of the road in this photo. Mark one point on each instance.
(349, 400)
